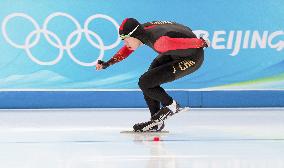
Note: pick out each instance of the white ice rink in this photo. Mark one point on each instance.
(91, 138)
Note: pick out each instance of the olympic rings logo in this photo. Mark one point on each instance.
(28, 44)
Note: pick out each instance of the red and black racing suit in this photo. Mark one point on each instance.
(180, 53)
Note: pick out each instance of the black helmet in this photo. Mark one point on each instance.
(130, 27)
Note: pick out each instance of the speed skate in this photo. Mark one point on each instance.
(160, 131)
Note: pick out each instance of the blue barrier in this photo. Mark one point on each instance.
(134, 99)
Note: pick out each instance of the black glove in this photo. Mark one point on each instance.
(104, 64)
(206, 43)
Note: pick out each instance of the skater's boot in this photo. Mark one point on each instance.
(148, 126)
(158, 128)
(169, 110)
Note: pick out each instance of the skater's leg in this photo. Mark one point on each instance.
(154, 105)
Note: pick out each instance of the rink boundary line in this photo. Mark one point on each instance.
(134, 90)
(69, 129)
(123, 109)
(146, 157)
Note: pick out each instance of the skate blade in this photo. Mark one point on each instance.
(184, 109)
(146, 132)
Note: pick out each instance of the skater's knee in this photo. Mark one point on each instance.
(146, 82)
(142, 82)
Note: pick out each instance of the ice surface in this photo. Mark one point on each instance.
(91, 138)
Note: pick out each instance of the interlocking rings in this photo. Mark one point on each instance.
(49, 35)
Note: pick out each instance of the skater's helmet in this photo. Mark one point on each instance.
(130, 27)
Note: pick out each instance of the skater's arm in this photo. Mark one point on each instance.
(123, 53)
(176, 41)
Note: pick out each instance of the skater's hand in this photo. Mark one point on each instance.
(206, 42)
(101, 65)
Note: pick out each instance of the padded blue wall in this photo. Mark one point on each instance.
(134, 99)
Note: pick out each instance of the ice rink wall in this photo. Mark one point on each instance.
(49, 49)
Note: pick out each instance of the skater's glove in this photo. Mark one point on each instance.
(104, 64)
(206, 43)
